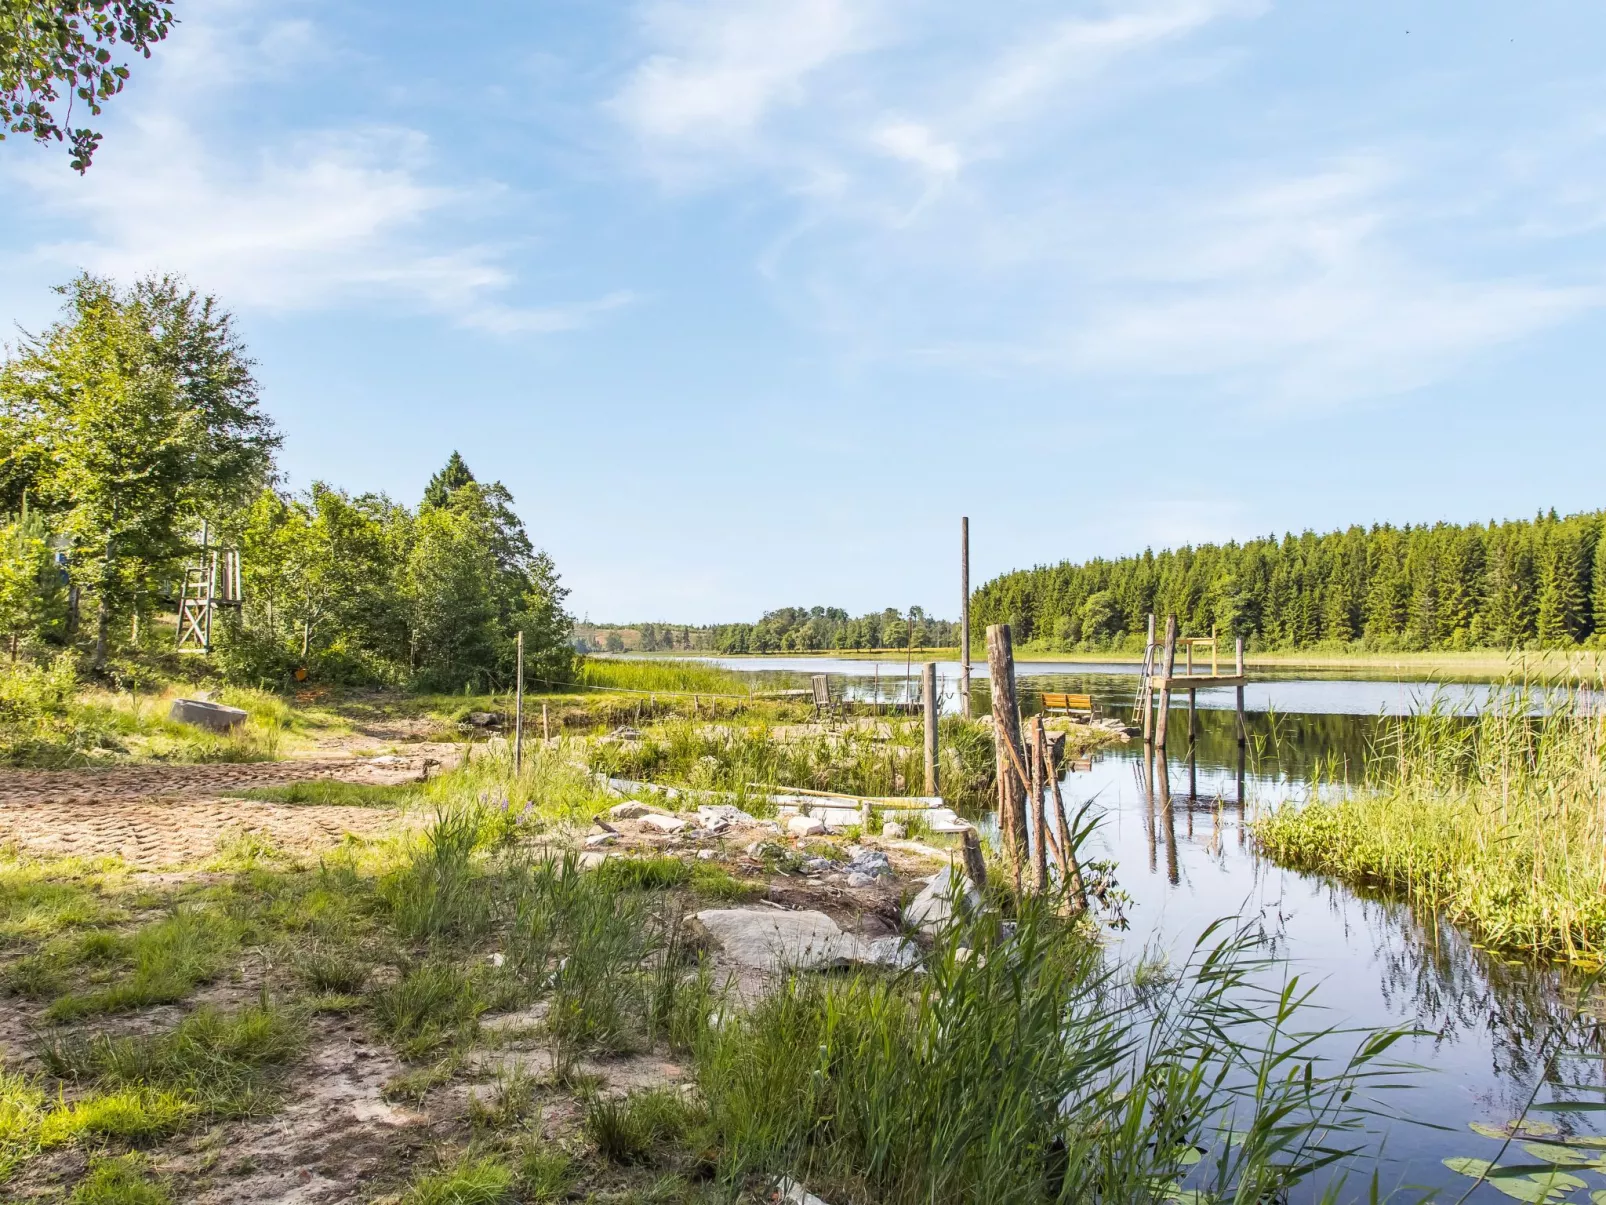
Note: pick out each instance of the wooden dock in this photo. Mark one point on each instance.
(1161, 680)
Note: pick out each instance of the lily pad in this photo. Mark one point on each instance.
(1536, 1190)
(1524, 1128)
(1554, 1152)
(1476, 1168)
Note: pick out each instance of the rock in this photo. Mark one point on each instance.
(805, 826)
(771, 941)
(817, 865)
(596, 839)
(871, 862)
(707, 855)
(483, 719)
(792, 1193)
(629, 810)
(894, 831)
(204, 714)
(592, 858)
(934, 906)
(386, 759)
(664, 824)
(709, 813)
(496, 959)
(858, 878)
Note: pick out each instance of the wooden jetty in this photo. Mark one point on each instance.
(1162, 679)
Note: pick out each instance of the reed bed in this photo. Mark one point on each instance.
(663, 674)
(1496, 823)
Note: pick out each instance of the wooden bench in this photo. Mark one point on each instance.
(1065, 704)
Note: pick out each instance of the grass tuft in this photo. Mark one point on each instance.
(432, 1004)
(631, 1129)
(119, 1180)
(485, 1180)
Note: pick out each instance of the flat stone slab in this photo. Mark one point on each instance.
(205, 714)
(769, 940)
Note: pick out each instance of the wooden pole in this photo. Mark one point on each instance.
(1167, 666)
(1145, 692)
(546, 728)
(975, 862)
(929, 693)
(1039, 828)
(1243, 728)
(518, 705)
(1193, 734)
(1069, 866)
(1007, 742)
(964, 616)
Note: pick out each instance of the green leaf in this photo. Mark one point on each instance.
(1476, 1168)
(1571, 1106)
(1552, 1152)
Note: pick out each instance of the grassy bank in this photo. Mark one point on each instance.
(1498, 824)
(526, 1004)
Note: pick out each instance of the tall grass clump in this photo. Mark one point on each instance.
(1022, 1070)
(43, 722)
(1496, 823)
(665, 674)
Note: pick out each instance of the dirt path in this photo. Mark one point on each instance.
(158, 815)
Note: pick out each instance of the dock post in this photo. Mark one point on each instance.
(1243, 729)
(1007, 745)
(1145, 695)
(518, 704)
(1168, 664)
(928, 692)
(1193, 736)
(1034, 756)
(964, 616)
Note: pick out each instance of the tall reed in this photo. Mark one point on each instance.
(1496, 822)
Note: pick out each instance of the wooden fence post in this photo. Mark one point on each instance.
(929, 699)
(964, 616)
(1168, 664)
(1039, 815)
(518, 705)
(1007, 745)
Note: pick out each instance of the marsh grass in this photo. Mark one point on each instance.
(1497, 823)
(329, 793)
(663, 674)
(471, 1180)
(634, 1128)
(433, 1004)
(1024, 1071)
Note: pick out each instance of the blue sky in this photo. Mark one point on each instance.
(749, 300)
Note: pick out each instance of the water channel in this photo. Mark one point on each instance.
(1490, 1031)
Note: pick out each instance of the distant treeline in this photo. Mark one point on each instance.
(1528, 584)
(786, 630)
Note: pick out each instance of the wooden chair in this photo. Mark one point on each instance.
(825, 707)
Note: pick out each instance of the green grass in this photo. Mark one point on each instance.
(118, 1180)
(169, 959)
(631, 1129)
(338, 794)
(432, 1004)
(41, 897)
(138, 1114)
(483, 1180)
(546, 1174)
(663, 674)
(220, 1062)
(1495, 824)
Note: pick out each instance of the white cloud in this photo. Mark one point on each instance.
(914, 143)
(720, 67)
(311, 220)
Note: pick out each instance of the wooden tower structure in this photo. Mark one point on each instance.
(211, 581)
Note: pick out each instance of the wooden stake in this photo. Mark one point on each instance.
(1007, 742)
(1069, 867)
(518, 705)
(1168, 665)
(546, 730)
(975, 862)
(1039, 814)
(964, 616)
(929, 699)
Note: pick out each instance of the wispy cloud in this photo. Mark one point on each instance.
(310, 220)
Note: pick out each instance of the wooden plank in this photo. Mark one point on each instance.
(1197, 681)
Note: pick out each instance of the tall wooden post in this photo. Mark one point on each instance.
(1193, 736)
(1168, 664)
(1145, 691)
(1007, 744)
(928, 692)
(964, 616)
(518, 705)
(1069, 866)
(1243, 729)
(1034, 757)
(546, 728)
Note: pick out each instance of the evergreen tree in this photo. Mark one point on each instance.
(453, 476)
(1563, 597)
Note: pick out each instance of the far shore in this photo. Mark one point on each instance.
(1490, 662)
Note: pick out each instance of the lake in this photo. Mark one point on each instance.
(1491, 1030)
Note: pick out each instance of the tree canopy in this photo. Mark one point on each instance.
(55, 53)
(1537, 583)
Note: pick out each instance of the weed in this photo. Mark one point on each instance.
(470, 1181)
(337, 794)
(334, 969)
(416, 1084)
(22, 1109)
(546, 1174)
(440, 893)
(170, 957)
(431, 1004)
(631, 1129)
(130, 1114)
(119, 1180)
(512, 1100)
(40, 898)
(219, 1060)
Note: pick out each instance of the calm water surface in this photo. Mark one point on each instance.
(1491, 1031)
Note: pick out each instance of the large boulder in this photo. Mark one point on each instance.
(945, 892)
(205, 714)
(768, 940)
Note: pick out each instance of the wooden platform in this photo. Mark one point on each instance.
(1197, 681)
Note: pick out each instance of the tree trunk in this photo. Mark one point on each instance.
(1006, 735)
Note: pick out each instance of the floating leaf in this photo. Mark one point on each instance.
(1476, 1168)
(1598, 1197)
(1187, 1156)
(1487, 1130)
(1533, 1190)
(1553, 1152)
(1571, 1106)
